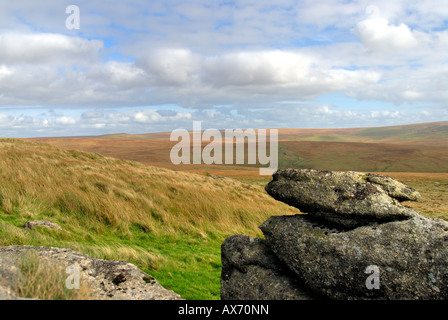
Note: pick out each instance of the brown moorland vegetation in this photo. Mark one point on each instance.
(409, 148)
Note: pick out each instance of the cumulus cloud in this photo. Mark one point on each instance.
(47, 48)
(182, 76)
(378, 35)
(257, 68)
(170, 66)
(241, 75)
(90, 122)
(120, 74)
(65, 120)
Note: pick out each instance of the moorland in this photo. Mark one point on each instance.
(120, 197)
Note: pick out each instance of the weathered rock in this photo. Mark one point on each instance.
(108, 279)
(394, 188)
(355, 225)
(412, 257)
(344, 199)
(39, 223)
(251, 271)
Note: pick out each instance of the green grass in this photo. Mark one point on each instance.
(288, 158)
(195, 259)
(188, 264)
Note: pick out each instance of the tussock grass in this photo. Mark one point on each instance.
(95, 193)
(170, 224)
(40, 279)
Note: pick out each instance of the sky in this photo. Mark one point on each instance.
(144, 66)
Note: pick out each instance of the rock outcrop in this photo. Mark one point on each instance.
(247, 264)
(355, 231)
(345, 199)
(108, 279)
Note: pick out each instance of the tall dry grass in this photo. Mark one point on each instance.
(115, 209)
(83, 189)
(168, 223)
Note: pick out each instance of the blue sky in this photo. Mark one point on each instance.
(146, 66)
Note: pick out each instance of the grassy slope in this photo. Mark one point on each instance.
(170, 224)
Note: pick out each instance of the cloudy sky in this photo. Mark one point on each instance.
(148, 65)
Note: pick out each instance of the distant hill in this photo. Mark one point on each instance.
(412, 132)
(406, 148)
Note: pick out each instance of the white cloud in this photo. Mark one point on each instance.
(411, 95)
(65, 120)
(47, 48)
(378, 35)
(5, 71)
(170, 66)
(243, 75)
(268, 67)
(141, 117)
(120, 74)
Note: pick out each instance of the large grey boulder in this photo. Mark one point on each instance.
(108, 279)
(357, 241)
(344, 199)
(411, 257)
(250, 271)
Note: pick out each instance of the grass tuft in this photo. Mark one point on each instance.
(40, 279)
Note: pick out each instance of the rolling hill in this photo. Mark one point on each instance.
(407, 148)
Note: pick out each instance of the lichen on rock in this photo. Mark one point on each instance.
(346, 199)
